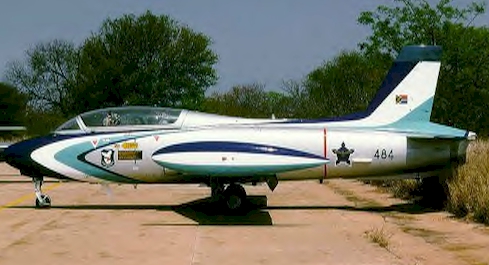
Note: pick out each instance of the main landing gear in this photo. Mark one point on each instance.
(233, 196)
(42, 200)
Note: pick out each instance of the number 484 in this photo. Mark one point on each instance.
(384, 154)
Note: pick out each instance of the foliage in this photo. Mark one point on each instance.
(300, 103)
(249, 101)
(47, 75)
(413, 22)
(345, 84)
(145, 60)
(12, 106)
(463, 84)
(41, 122)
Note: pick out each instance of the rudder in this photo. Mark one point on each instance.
(408, 90)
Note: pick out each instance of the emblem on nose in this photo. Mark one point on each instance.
(107, 157)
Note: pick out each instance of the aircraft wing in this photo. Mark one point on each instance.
(430, 130)
(3, 146)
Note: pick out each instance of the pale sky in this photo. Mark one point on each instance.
(256, 40)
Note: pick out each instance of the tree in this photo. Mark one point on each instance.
(413, 22)
(147, 60)
(250, 101)
(280, 105)
(300, 104)
(12, 106)
(463, 88)
(344, 84)
(47, 75)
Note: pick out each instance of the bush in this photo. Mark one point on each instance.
(469, 188)
(42, 122)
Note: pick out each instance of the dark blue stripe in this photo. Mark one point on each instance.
(220, 146)
(397, 73)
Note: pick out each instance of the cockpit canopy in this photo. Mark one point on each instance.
(123, 118)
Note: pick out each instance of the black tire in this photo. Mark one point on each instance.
(235, 197)
(46, 204)
(434, 192)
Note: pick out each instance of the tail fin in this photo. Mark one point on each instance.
(408, 90)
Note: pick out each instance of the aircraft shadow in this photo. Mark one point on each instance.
(255, 211)
(206, 212)
(203, 211)
(408, 208)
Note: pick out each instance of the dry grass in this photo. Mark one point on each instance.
(404, 188)
(469, 188)
(379, 236)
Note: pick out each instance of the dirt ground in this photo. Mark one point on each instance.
(304, 223)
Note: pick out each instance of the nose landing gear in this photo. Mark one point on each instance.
(42, 200)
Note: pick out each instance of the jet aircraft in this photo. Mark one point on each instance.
(143, 145)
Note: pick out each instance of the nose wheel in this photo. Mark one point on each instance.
(42, 200)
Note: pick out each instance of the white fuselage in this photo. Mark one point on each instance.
(333, 154)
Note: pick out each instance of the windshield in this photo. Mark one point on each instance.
(69, 125)
(125, 116)
(122, 116)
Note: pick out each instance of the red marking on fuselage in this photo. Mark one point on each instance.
(325, 170)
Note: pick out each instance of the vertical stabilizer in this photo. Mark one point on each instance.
(408, 90)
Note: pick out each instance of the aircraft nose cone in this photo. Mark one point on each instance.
(18, 155)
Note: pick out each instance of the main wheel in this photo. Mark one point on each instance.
(235, 196)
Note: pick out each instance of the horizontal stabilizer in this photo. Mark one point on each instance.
(430, 130)
(468, 136)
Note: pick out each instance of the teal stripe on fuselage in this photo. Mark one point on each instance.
(232, 171)
(69, 157)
